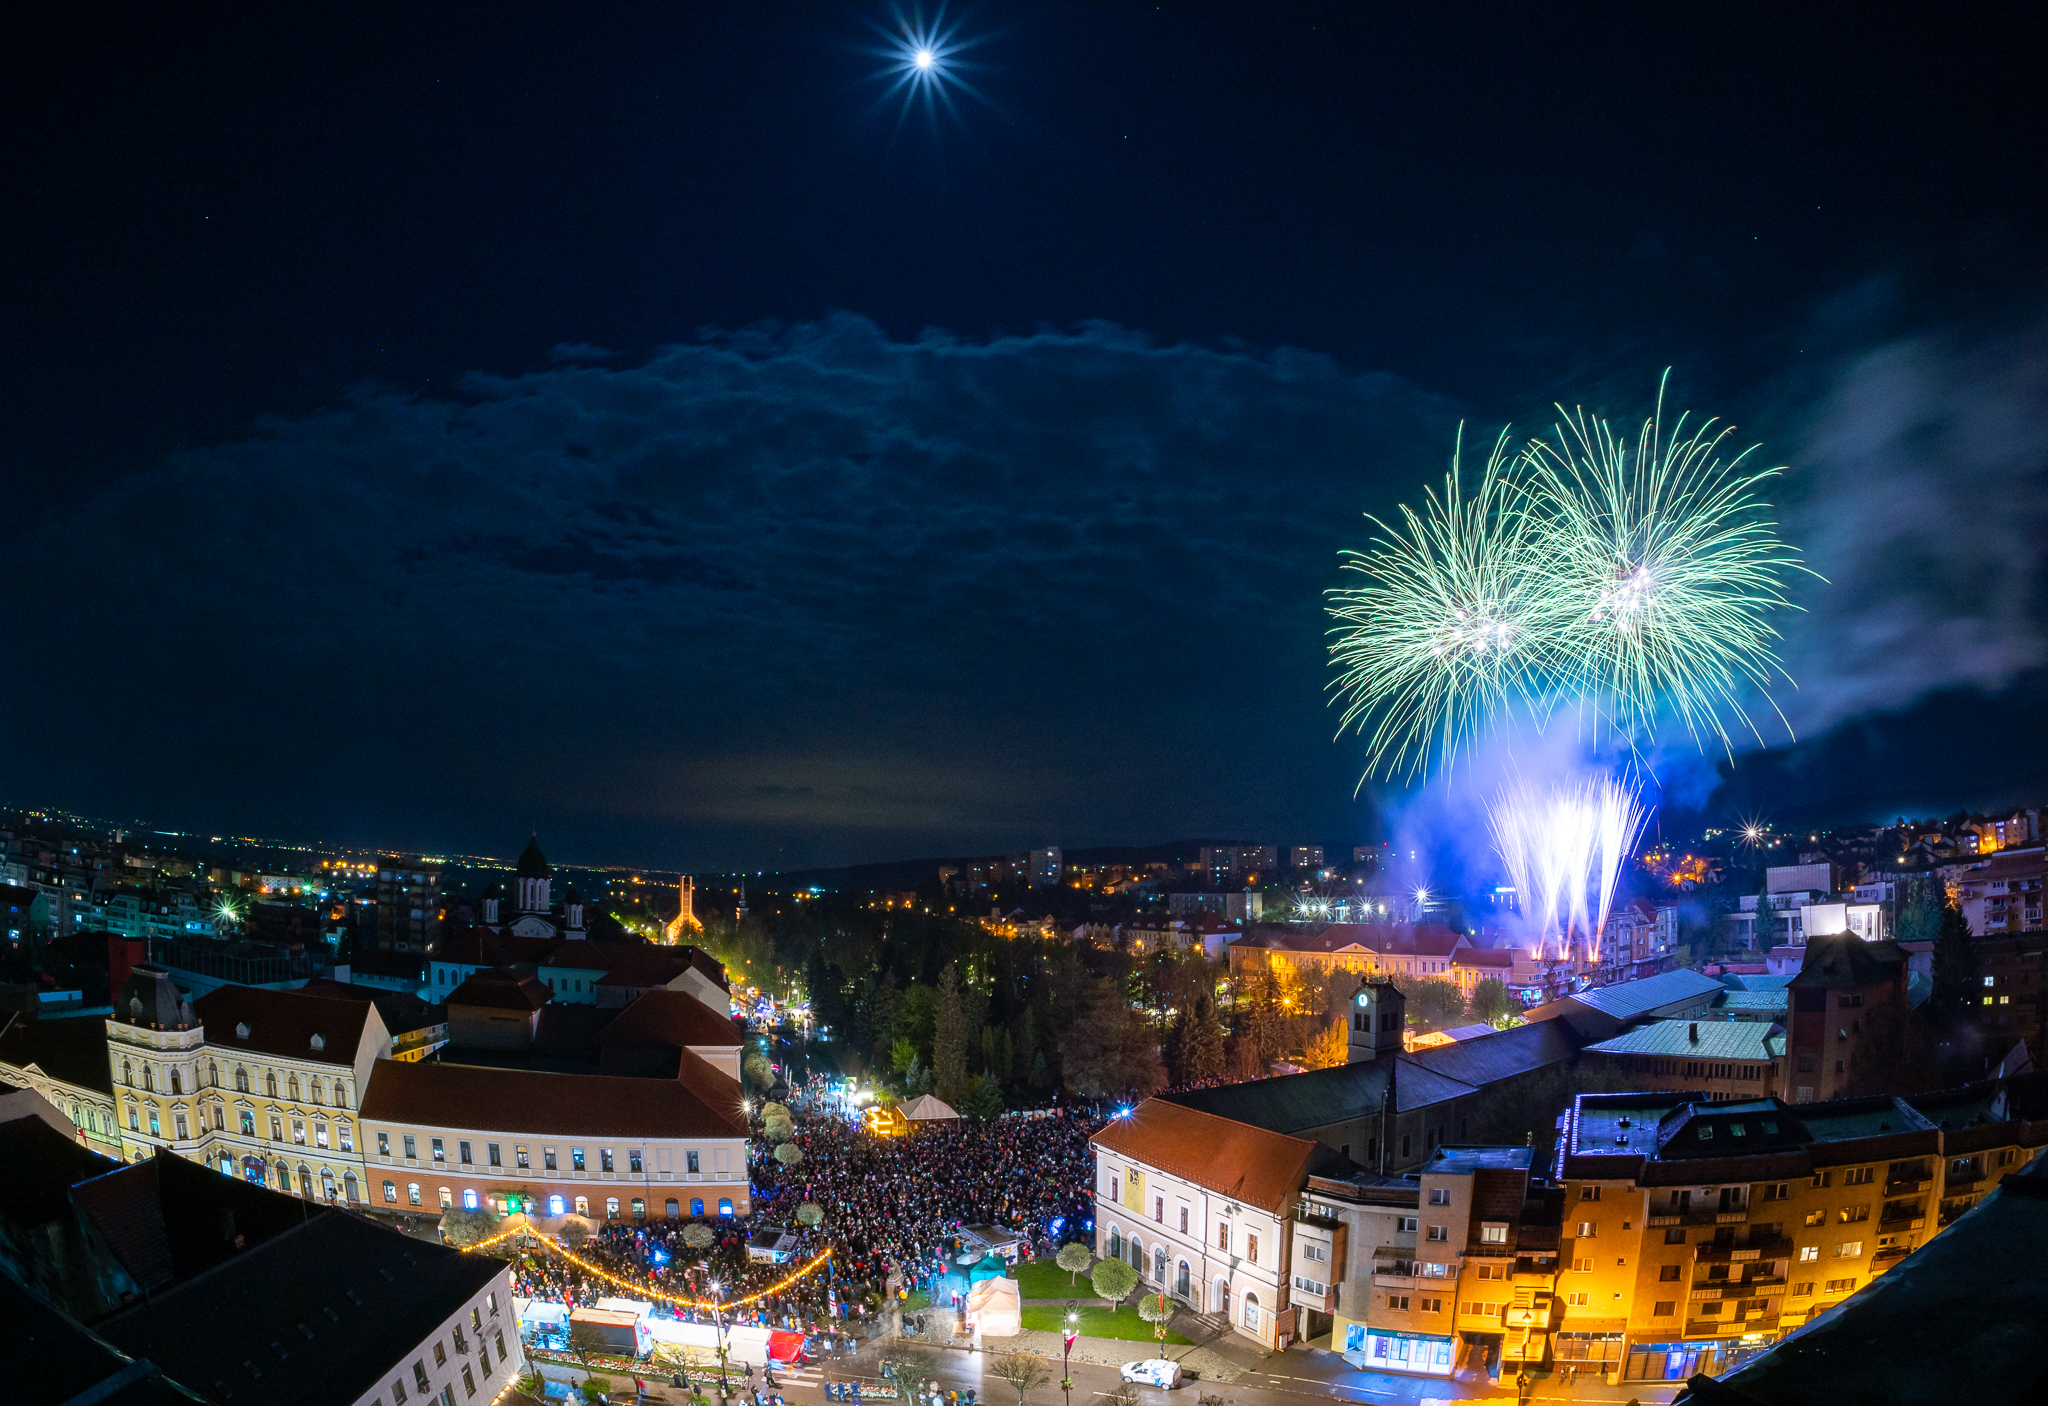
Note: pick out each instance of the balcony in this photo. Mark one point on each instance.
(1769, 1247)
(1396, 1281)
(1907, 1186)
(1893, 1224)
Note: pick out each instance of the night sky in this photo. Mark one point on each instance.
(639, 422)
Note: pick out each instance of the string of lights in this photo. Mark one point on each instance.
(556, 1247)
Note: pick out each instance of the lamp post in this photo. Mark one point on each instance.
(718, 1319)
(1073, 1322)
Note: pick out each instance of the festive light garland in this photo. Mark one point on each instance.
(556, 1247)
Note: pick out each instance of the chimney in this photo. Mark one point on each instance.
(1694, 1031)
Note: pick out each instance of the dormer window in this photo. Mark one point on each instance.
(241, 1030)
(319, 1042)
(1707, 1133)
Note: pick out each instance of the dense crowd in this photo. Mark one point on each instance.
(891, 1205)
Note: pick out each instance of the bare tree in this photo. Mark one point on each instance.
(1025, 1371)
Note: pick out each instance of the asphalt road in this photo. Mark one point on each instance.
(1289, 1379)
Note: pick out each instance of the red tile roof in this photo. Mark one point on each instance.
(283, 1023)
(1230, 1158)
(677, 1018)
(429, 1094)
(500, 989)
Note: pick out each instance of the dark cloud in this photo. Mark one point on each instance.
(786, 595)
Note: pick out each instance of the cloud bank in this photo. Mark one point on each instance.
(785, 596)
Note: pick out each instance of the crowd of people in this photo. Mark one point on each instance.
(893, 1205)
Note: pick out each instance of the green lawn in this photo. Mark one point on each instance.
(1098, 1323)
(918, 1299)
(1042, 1279)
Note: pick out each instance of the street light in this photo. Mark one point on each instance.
(1066, 1351)
(718, 1318)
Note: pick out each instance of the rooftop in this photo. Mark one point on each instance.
(432, 1094)
(1249, 1164)
(74, 1051)
(1455, 1161)
(1751, 1041)
(1627, 1000)
(324, 1029)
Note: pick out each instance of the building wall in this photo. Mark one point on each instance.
(449, 1180)
(1136, 1203)
(473, 1355)
(1708, 1264)
(91, 1112)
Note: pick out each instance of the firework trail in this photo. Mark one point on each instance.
(1564, 850)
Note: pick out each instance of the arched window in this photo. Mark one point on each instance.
(284, 1177)
(412, 1192)
(639, 1208)
(177, 1083)
(127, 1074)
(348, 1187)
(241, 1081)
(1251, 1312)
(316, 1091)
(1222, 1305)
(611, 1208)
(724, 1206)
(1138, 1256)
(340, 1094)
(696, 1205)
(212, 1075)
(391, 1192)
(1159, 1264)
(1116, 1243)
(327, 1185)
(672, 1209)
(292, 1088)
(270, 1082)
(1180, 1282)
(149, 1077)
(583, 1205)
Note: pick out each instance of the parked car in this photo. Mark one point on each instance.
(1153, 1371)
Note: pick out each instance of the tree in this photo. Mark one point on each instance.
(463, 1226)
(778, 1129)
(1197, 1040)
(1112, 1280)
(1109, 1052)
(996, 1053)
(789, 1154)
(1434, 1003)
(1955, 966)
(1025, 1371)
(1492, 1002)
(911, 1366)
(902, 1054)
(575, 1232)
(760, 1075)
(810, 1214)
(949, 1040)
(982, 1098)
(698, 1236)
(1330, 1048)
(586, 1339)
(1073, 1258)
(1920, 911)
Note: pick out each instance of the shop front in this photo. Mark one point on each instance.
(1378, 1350)
(1677, 1362)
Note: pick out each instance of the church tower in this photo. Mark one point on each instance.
(535, 880)
(685, 921)
(1379, 1012)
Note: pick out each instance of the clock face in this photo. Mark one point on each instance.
(1361, 998)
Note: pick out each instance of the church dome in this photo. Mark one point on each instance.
(533, 864)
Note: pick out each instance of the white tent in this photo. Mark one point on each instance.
(927, 1109)
(994, 1308)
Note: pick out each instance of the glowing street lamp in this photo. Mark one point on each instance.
(1072, 1326)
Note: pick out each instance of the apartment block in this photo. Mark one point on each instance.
(1695, 1231)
